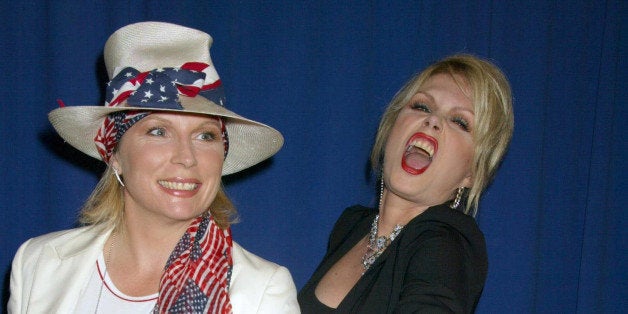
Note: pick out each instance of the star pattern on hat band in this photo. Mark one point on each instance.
(160, 88)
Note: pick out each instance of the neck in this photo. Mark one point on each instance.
(147, 245)
(394, 210)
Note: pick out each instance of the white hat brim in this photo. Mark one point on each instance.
(250, 142)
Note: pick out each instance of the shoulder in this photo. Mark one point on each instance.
(355, 213)
(258, 285)
(351, 217)
(444, 220)
(444, 236)
(52, 260)
(58, 246)
(59, 239)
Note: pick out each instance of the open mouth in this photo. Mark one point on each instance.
(181, 186)
(419, 153)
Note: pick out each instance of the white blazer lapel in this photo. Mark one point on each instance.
(63, 270)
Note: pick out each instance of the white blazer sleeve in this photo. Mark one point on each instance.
(18, 289)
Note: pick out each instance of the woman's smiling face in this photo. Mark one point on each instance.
(429, 150)
(171, 165)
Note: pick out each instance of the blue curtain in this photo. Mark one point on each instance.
(322, 73)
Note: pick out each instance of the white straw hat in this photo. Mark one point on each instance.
(153, 46)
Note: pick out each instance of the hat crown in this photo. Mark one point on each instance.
(147, 46)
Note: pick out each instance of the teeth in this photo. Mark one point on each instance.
(424, 145)
(178, 185)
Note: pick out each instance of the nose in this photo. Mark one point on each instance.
(184, 154)
(434, 122)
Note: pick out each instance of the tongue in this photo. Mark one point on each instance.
(417, 159)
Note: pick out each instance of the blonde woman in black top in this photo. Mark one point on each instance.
(438, 145)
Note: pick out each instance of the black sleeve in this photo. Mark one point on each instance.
(436, 280)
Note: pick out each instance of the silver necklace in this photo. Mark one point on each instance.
(104, 276)
(377, 245)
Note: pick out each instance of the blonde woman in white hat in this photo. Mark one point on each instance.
(157, 235)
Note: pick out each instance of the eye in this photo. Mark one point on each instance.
(421, 107)
(462, 123)
(207, 136)
(157, 131)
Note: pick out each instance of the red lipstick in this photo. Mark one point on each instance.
(417, 157)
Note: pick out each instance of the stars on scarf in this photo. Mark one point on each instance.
(191, 300)
(198, 273)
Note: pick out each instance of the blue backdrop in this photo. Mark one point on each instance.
(322, 74)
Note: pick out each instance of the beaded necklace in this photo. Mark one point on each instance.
(377, 245)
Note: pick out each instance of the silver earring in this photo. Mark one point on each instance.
(117, 176)
(381, 192)
(458, 198)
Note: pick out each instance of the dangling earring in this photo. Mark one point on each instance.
(381, 192)
(115, 171)
(458, 198)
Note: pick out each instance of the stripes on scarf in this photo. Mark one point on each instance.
(198, 271)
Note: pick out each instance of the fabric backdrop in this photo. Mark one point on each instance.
(322, 73)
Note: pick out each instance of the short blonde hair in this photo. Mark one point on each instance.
(494, 117)
(106, 204)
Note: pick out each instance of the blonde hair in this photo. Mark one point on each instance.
(106, 204)
(494, 118)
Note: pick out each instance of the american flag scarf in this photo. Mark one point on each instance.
(197, 276)
(156, 89)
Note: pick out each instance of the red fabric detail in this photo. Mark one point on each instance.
(210, 272)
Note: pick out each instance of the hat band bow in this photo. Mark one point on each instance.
(160, 88)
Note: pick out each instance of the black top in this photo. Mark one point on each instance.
(437, 264)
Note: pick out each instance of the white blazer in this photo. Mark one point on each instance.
(50, 274)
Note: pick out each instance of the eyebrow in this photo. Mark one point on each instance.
(455, 107)
(422, 93)
(213, 121)
(459, 108)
